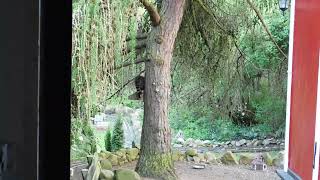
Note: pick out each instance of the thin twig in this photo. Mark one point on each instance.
(124, 85)
(266, 28)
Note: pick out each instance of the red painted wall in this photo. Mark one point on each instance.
(304, 86)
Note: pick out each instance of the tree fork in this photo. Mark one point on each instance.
(155, 156)
(153, 13)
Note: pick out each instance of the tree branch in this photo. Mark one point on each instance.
(129, 63)
(138, 37)
(266, 28)
(124, 85)
(153, 13)
(140, 45)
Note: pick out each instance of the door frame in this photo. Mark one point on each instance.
(289, 86)
(315, 172)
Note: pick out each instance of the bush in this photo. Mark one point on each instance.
(224, 130)
(194, 122)
(89, 137)
(117, 139)
(271, 109)
(107, 141)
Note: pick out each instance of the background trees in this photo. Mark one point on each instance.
(228, 79)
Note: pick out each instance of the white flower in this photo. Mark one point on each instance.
(80, 138)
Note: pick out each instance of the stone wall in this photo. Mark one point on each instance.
(103, 163)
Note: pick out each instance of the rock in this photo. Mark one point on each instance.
(201, 156)
(266, 142)
(191, 152)
(189, 141)
(229, 158)
(241, 142)
(273, 142)
(207, 142)
(210, 158)
(106, 164)
(95, 168)
(132, 154)
(198, 142)
(196, 159)
(106, 175)
(250, 143)
(194, 145)
(233, 143)
(189, 158)
(122, 160)
(214, 146)
(104, 154)
(257, 143)
(120, 153)
(180, 141)
(126, 174)
(114, 160)
(177, 145)
(123, 151)
(227, 143)
(267, 158)
(129, 158)
(245, 159)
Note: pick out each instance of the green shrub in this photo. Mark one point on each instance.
(194, 122)
(117, 136)
(270, 109)
(89, 137)
(107, 141)
(224, 130)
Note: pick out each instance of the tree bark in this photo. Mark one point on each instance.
(156, 158)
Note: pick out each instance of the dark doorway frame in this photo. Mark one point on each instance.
(55, 88)
(35, 83)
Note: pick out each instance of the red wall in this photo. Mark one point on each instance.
(304, 86)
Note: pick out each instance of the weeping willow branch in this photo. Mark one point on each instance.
(213, 15)
(266, 28)
(153, 13)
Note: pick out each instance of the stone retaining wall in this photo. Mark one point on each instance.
(101, 164)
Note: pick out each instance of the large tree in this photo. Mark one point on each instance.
(155, 158)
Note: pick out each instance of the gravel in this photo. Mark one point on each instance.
(185, 171)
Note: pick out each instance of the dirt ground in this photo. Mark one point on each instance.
(185, 171)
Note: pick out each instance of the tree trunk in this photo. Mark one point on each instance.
(155, 157)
